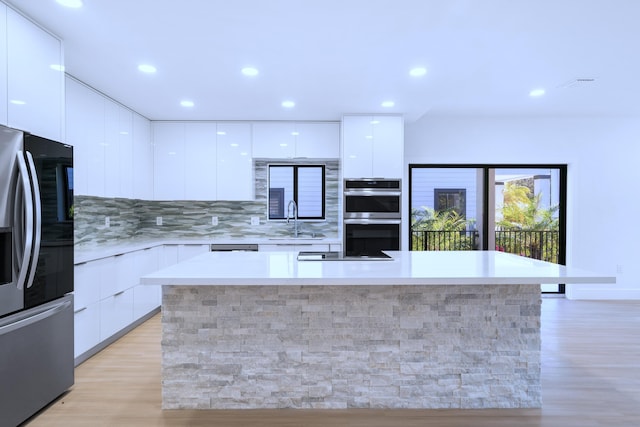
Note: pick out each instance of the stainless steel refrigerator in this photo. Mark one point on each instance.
(36, 273)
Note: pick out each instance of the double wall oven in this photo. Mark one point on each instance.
(372, 216)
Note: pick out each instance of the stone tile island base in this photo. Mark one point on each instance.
(453, 346)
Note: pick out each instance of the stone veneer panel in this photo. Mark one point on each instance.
(229, 347)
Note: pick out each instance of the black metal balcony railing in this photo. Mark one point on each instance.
(428, 240)
(538, 244)
(541, 245)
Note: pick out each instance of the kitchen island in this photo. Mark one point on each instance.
(422, 330)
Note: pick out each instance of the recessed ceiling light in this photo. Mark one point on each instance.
(288, 104)
(57, 67)
(418, 72)
(250, 71)
(537, 92)
(17, 102)
(374, 122)
(388, 104)
(283, 144)
(294, 133)
(234, 144)
(221, 132)
(146, 68)
(70, 3)
(369, 136)
(186, 103)
(124, 132)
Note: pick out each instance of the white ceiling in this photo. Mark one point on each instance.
(347, 56)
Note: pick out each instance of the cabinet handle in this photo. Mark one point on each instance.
(79, 263)
(118, 294)
(117, 255)
(79, 310)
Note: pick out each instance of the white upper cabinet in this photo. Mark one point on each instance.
(111, 149)
(85, 131)
(285, 140)
(142, 158)
(274, 140)
(76, 117)
(125, 142)
(106, 163)
(35, 80)
(169, 161)
(318, 140)
(372, 146)
(3, 64)
(357, 147)
(95, 143)
(234, 166)
(200, 161)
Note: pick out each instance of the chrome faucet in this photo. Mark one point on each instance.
(295, 216)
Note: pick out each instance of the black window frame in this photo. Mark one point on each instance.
(296, 168)
(437, 192)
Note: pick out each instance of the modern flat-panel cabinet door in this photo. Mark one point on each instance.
(76, 116)
(200, 161)
(388, 146)
(169, 161)
(274, 140)
(35, 78)
(357, 147)
(234, 162)
(125, 143)
(318, 140)
(373, 146)
(142, 158)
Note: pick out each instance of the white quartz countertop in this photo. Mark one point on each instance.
(85, 253)
(406, 268)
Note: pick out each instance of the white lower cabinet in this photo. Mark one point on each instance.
(189, 251)
(116, 313)
(86, 327)
(145, 299)
(108, 296)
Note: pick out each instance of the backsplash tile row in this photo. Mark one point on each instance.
(135, 218)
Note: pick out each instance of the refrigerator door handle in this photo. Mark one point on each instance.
(34, 317)
(37, 204)
(23, 173)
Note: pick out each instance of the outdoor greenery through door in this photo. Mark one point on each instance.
(517, 209)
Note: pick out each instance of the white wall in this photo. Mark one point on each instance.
(603, 158)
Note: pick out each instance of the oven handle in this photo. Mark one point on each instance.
(365, 221)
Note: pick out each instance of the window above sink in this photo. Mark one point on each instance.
(304, 184)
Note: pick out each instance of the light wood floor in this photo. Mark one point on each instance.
(590, 377)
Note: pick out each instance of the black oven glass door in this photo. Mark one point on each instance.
(358, 205)
(369, 239)
(53, 278)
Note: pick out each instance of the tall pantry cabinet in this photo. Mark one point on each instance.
(31, 76)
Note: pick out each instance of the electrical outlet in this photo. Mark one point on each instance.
(107, 221)
(158, 220)
(255, 220)
(214, 220)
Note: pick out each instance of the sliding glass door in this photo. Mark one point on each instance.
(519, 209)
